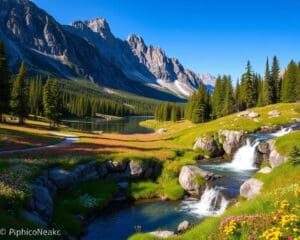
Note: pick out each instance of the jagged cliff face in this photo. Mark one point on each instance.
(168, 71)
(88, 49)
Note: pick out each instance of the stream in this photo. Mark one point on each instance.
(118, 223)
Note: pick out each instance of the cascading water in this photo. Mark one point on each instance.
(245, 157)
(282, 132)
(212, 203)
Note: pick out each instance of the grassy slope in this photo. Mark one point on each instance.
(184, 132)
(273, 182)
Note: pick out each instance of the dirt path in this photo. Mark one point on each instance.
(69, 139)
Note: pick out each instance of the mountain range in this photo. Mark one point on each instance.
(89, 50)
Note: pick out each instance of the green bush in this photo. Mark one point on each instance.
(143, 190)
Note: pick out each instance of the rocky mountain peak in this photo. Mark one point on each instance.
(99, 25)
(134, 41)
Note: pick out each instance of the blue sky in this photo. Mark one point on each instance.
(214, 36)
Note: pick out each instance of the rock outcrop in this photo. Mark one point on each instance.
(231, 140)
(265, 170)
(188, 179)
(205, 144)
(274, 113)
(183, 226)
(251, 188)
(275, 158)
(163, 234)
(253, 115)
(46, 186)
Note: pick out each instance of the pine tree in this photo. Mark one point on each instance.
(247, 97)
(228, 106)
(268, 86)
(217, 98)
(237, 97)
(288, 91)
(52, 102)
(261, 98)
(35, 96)
(298, 84)
(19, 95)
(275, 79)
(4, 82)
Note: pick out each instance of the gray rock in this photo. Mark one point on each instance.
(268, 129)
(243, 113)
(187, 177)
(136, 169)
(275, 158)
(263, 147)
(45, 182)
(183, 226)
(274, 113)
(231, 140)
(85, 172)
(61, 178)
(265, 170)
(206, 144)
(41, 202)
(162, 234)
(33, 217)
(102, 170)
(251, 188)
(115, 166)
(162, 130)
(253, 115)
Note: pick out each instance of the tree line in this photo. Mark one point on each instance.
(38, 96)
(252, 90)
(168, 112)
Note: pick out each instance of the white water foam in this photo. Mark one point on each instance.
(282, 132)
(212, 203)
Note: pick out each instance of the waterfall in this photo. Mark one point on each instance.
(245, 157)
(282, 132)
(212, 203)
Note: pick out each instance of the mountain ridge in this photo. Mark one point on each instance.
(30, 33)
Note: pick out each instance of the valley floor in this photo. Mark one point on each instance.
(173, 149)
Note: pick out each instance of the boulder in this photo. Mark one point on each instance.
(263, 147)
(268, 129)
(136, 169)
(41, 202)
(253, 115)
(265, 170)
(61, 178)
(206, 144)
(187, 178)
(183, 226)
(274, 113)
(243, 113)
(115, 166)
(162, 130)
(102, 170)
(251, 188)
(85, 172)
(117, 176)
(43, 181)
(231, 140)
(275, 159)
(162, 234)
(297, 120)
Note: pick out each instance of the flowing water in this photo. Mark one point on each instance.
(119, 222)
